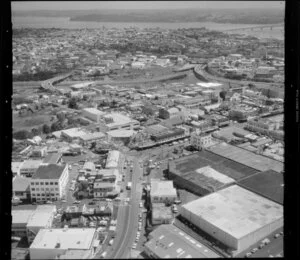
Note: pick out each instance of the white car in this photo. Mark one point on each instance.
(141, 204)
(110, 242)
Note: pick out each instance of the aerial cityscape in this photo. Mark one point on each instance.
(147, 129)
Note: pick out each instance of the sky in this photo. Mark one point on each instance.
(85, 5)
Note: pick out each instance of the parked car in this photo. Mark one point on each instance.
(76, 202)
(276, 235)
(111, 242)
(248, 254)
(134, 246)
(49, 202)
(92, 203)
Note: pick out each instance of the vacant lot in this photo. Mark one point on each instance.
(30, 121)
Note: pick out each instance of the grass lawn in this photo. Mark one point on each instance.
(31, 121)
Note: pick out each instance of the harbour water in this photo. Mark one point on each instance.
(65, 23)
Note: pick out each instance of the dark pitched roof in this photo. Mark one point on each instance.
(268, 184)
(51, 171)
(52, 158)
(21, 183)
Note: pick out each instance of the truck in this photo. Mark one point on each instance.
(129, 185)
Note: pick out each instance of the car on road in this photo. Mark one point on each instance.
(63, 201)
(254, 250)
(92, 203)
(141, 204)
(103, 255)
(76, 202)
(127, 199)
(174, 208)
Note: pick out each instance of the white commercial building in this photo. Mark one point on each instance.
(162, 191)
(29, 167)
(120, 135)
(113, 159)
(16, 168)
(91, 137)
(92, 113)
(49, 182)
(115, 121)
(73, 133)
(201, 141)
(19, 221)
(235, 216)
(41, 218)
(75, 243)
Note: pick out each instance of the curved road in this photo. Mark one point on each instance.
(200, 70)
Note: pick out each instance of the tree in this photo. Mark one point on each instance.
(61, 116)
(46, 129)
(223, 94)
(93, 146)
(22, 134)
(73, 103)
(55, 127)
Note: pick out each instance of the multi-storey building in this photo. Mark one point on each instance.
(49, 182)
(201, 141)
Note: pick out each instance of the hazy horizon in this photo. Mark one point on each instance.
(150, 5)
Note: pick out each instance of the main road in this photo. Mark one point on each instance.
(128, 216)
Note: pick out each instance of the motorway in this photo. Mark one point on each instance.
(200, 69)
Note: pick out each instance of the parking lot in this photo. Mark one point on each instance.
(273, 249)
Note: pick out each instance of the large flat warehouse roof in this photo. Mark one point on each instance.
(75, 238)
(258, 162)
(269, 184)
(236, 211)
(191, 163)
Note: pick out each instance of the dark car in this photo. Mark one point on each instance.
(92, 203)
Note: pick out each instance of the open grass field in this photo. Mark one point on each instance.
(30, 121)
